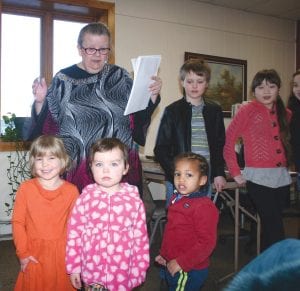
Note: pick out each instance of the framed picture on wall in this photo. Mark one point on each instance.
(228, 83)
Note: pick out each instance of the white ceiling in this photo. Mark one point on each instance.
(289, 9)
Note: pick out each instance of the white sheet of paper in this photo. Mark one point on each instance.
(144, 67)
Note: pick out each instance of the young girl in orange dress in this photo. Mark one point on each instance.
(40, 216)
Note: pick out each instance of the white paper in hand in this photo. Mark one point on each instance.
(144, 67)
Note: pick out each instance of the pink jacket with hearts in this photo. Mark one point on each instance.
(107, 239)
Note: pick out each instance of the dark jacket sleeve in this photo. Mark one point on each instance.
(141, 122)
(164, 150)
(294, 106)
(174, 135)
(33, 126)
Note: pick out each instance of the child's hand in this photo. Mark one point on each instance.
(240, 180)
(75, 280)
(173, 267)
(24, 262)
(219, 183)
(160, 260)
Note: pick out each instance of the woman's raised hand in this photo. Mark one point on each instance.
(39, 91)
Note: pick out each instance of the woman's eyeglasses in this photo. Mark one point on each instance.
(92, 51)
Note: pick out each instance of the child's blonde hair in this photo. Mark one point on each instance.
(48, 144)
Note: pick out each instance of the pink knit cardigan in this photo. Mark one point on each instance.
(259, 129)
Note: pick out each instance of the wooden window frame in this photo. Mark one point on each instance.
(50, 10)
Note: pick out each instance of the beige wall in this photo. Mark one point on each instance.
(171, 27)
(4, 192)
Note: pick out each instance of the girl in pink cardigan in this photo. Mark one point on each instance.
(107, 244)
(263, 126)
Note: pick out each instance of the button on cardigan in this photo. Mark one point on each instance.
(254, 123)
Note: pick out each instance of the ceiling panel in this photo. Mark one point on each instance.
(289, 9)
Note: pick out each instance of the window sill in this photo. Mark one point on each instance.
(10, 146)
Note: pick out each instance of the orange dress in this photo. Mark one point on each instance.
(39, 229)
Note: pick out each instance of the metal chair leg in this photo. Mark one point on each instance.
(156, 224)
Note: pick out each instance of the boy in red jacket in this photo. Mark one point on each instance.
(191, 230)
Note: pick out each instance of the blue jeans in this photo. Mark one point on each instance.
(188, 281)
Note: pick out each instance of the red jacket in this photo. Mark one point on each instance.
(191, 232)
(259, 129)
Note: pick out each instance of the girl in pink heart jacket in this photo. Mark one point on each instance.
(107, 243)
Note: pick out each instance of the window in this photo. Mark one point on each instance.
(38, 38)
(20, 62)
(66, 33)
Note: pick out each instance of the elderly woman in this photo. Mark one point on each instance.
(86, 101)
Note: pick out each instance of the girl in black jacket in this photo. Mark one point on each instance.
(294, 106)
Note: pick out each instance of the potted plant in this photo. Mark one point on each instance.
(17, 170)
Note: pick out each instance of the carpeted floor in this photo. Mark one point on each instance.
(222, 260)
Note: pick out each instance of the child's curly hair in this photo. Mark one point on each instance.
(202, 162)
